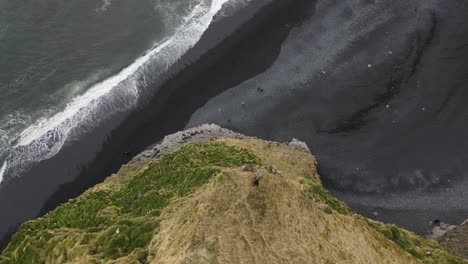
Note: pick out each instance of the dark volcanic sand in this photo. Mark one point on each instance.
(379, 91)
(387, 127)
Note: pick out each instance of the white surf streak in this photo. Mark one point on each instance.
(119, 93)
(2, 171)
(105, 6)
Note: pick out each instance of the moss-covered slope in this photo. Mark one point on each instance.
(196, 205)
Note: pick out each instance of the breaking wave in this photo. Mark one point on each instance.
(2, 171)
(119, 93)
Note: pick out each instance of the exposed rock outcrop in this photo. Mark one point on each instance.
(170, 143)
(452, 237)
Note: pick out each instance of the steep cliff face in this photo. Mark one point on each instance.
(219, 200)
(454, 238)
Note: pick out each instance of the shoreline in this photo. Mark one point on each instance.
(79, 166)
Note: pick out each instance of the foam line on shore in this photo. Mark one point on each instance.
(2, 171)
(119, 93)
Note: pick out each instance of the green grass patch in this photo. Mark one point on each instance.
(120, 222)
(178, 174)
(124, 237)
(320, 193)
(416, 245)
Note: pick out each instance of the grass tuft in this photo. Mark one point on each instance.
(320, 193)
(416, 245)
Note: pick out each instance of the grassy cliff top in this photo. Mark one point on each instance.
(199, 205)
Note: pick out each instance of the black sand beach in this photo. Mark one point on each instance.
(378, 91)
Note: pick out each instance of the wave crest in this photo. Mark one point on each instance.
(119, 93)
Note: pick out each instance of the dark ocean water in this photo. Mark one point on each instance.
(53, 51)
(377, 89)
(70, 64)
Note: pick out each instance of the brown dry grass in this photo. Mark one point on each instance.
(232, 221)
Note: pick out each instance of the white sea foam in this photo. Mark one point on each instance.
(2, 171)
(104, 7)
(119, 93)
